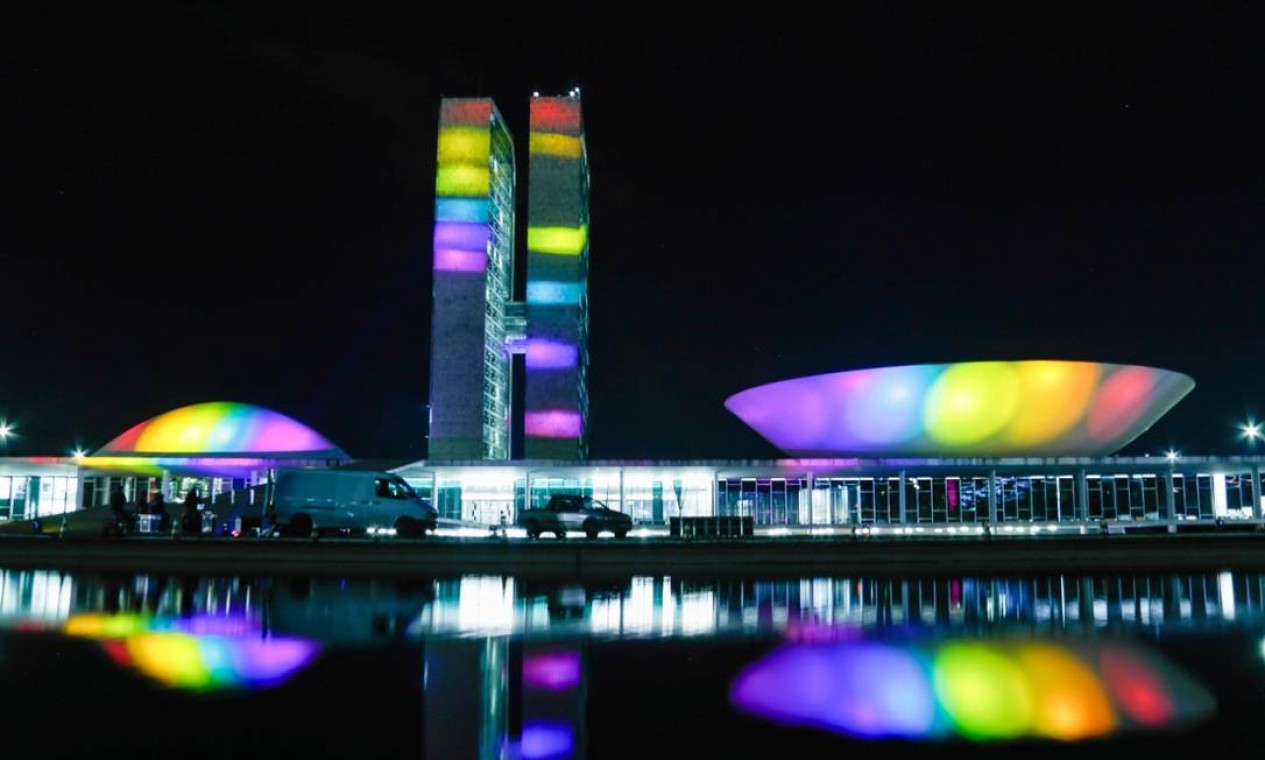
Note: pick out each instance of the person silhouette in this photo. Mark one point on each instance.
(119, 520)
(158, 508)
(191, 519)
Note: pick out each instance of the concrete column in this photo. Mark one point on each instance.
(80, 490)
(993, 498)
(713, 495)
(901, 502)
(812, 497)
(1256, 491)
(1170, 506)
(1082, 496)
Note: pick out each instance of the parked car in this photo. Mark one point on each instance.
(568, 512)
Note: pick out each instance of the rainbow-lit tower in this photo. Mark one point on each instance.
(555, 418)
(470, 364)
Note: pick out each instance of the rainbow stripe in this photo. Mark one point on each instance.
(558, 241)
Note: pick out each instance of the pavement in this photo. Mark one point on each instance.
(77, 543)
(82, 522)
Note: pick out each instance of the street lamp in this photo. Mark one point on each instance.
(1251, 432)
(1171, 455)
(6, 432)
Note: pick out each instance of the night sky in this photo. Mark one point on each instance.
(210, 202)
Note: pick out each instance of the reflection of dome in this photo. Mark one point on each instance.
(986, 408)
(222, 427)
(213, 663)
(999, 690)
(202, 653)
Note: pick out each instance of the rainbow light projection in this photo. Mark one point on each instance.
(986, 408)
(473, 264)
(221, 427)
(556, 345)
(974, 690)
(217, 438)
(227, 467)
(198, 654)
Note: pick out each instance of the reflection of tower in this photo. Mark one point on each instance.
(466, 686)
(555, 420)
(470, 686)
(553, 701)
(470, 368)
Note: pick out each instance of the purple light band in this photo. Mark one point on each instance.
(554, 423)
(453, 260)
(465, 236)
(549, 354)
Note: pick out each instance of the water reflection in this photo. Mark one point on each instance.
(200, 652)
(973, 689)
(350, 609)
(490, 666)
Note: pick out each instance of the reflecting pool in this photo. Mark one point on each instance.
(490, 666)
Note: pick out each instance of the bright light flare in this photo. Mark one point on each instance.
(1251, 431)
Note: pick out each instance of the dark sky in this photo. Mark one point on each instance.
(212, 202)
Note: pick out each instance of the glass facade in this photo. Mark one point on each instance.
(28, 497)
(39, 487)
(977, 494)
(806, 495)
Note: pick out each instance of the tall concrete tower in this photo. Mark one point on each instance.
(470, 364)
(476, 328)
(555, 420)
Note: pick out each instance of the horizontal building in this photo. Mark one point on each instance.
(973, 494)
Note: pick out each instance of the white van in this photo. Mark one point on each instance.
(310, 502)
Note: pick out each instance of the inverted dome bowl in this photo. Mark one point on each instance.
(988, 408)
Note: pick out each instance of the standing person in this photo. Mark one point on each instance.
(191, 519)
(119, 518)
(158, 507)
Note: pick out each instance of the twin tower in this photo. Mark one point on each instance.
(477, 327)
